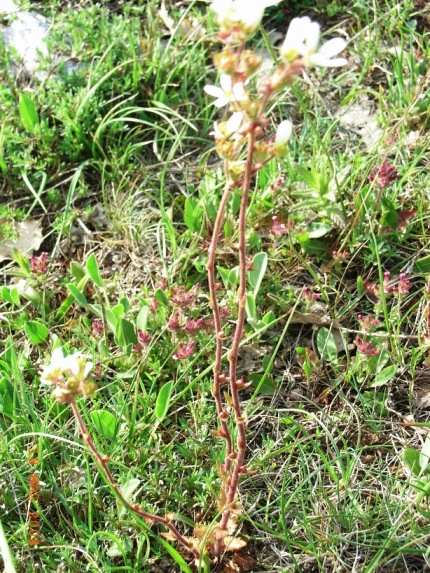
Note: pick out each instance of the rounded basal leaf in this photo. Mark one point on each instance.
(93, 270)
(384, 376)
(256, 274)
(36, 332)
(326, 344)
(105, 422)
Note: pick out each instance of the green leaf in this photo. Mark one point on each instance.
(160, 295)
(193, 215)
(384, 376)
(360, 285)
(142, 318)
(250, 308)
(125, 303)
(36, 332)
(66, 304)
(111, 319)
(412, 459)
(268, 317)
(314, 247)
(77, 294)
(425, 454)
(389, 218)
(376, 363)
(120, 548)
(302, 238)
(175, 555)
(125, 332)
(93, 270)
(118, 310)
(326, 344)
(318, 230)
(6, 399)
(10, 295)
(105, 422)
(228, 229)
(263, 383)
(422, 266)
(230, 277)
(77, 270)
(28, 113)
(256, 274)
(254, 240)
(377, 401)
(163, 401)
(128, 490)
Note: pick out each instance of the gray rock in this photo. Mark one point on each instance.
(26, 36)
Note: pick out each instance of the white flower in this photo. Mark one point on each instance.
(302, 40)
(283, 135)
(72, 365)
(225, 129)
(227, 92)
(243, 14)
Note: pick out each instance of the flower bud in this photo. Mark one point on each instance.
(283, 135)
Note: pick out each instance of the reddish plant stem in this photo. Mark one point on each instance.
(233, 354)
(219, 334)
(133, 507)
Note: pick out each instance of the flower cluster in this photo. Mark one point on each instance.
(184, 351)
(97, 327)
(240, 18)
(400, 287)
(39, 265)
(144, 338)
(340, 255)
(383, 175)
(365, 348)
(278, 228)
(309, 295)
(180, 297)
(368, 322)
(68, 375)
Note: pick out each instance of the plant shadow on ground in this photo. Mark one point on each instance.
(119, 163)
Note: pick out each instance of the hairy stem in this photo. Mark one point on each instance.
(133, 507)
(232, 357)
(224, 432)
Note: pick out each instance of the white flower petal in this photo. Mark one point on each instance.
(238, 92)
(322, 61)
(333, 47)
(221, 6)
(234, 122)
(302, 39)
(225, 82)
(214, 91)
(241, 14)
(221, 102)
(313, 36)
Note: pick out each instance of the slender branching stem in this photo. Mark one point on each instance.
(239, 454)
(133, 507)
(219, 334)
